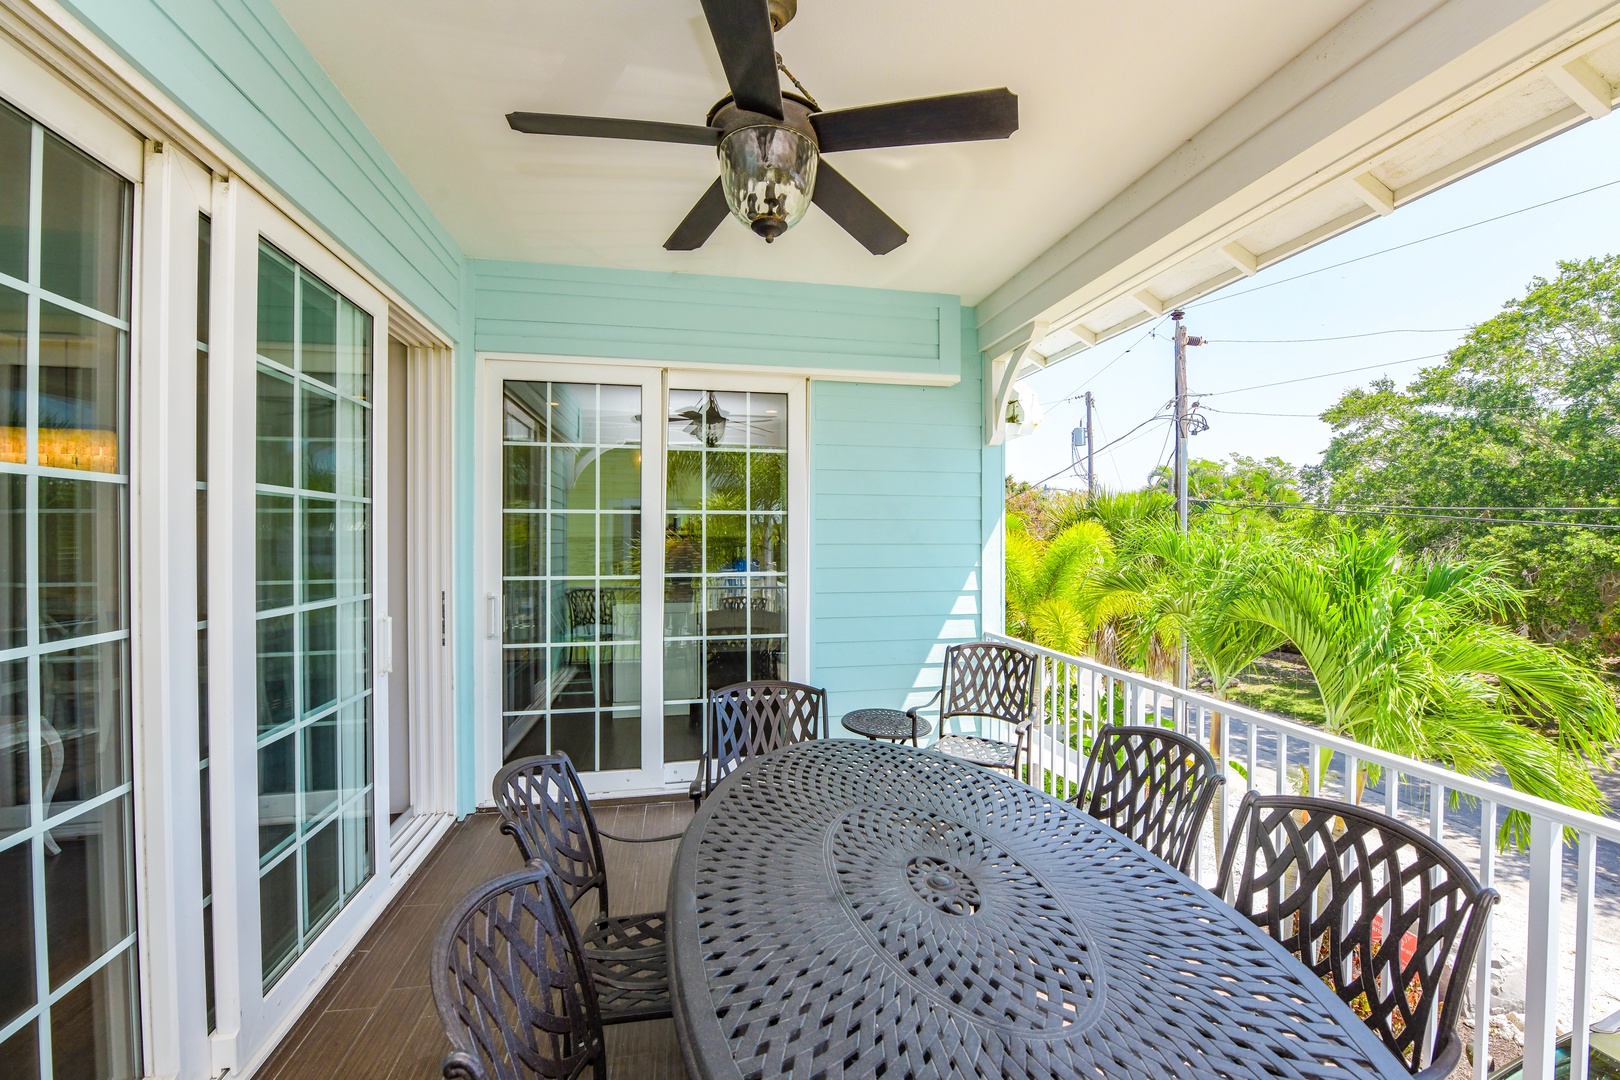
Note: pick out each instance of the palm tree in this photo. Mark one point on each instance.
(1119, 512)
(1045, 583)
(1422, 661)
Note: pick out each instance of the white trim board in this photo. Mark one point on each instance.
(782, 371)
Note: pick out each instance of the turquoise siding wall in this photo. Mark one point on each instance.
(904, 495)
(694, 319)
(241, 71)
(897, 503)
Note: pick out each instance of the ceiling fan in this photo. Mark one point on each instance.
(770, 143)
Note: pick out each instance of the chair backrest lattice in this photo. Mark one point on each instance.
(544, 809)
(752, 718)
(511, 985)
(1386, 916)
(1154, 785)
(991, 680)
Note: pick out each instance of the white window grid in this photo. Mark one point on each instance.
(42, 823)
(350, 813)
(739, 585)
(544, 640)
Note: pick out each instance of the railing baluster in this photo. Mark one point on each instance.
(1541, 952)
(1282, 762)
(1083, 698)
(1585, 889)
(1482, 963)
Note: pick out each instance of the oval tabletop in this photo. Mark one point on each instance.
(852, 908)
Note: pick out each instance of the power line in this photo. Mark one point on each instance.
(1399, 247)
(1465, 412)
(1389, 513)
(1075, 393)
(1513, 509)
(1323, 375)
(1334, 337)
(1105, 446)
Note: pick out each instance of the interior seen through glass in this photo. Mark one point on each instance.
(68, 1000)
(571, 572)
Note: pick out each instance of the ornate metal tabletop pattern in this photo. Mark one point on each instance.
(885, 724)
(848, 908)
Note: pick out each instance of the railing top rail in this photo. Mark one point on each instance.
(1453, 781)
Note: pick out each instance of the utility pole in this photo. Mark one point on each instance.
(1181, 424)
(1183, 430)
(1091, 445)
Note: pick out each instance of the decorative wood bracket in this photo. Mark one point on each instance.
(1003, 371)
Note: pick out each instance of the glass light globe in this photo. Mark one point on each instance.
(767, 174)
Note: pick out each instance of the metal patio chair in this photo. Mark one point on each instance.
(1154, 785)
(1384, 915)
(751, 718)
(544, 809)
(511, 984)
(986, 680)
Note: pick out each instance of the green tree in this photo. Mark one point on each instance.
(1525, 413)
(1165, 585)
(1421, 659)
(1045, 583)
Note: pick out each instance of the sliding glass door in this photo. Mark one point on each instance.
(68, 1002)
(313, 620)
(640, 556)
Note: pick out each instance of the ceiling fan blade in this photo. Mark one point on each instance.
(860, 217)
(980, 114)
(602, 127)
(742, 34)
(700, 222)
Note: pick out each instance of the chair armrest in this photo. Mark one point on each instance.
(914, 710)
(1444, 1062)
(640, 839)
(460, 1065)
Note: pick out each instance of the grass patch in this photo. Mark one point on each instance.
(1282, 685)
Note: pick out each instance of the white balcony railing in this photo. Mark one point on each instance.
(1261, 751)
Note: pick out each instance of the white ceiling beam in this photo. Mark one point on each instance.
(1371, 190)
(1392, 69)
(1150, 303)
(1241, 258)
(1584, 86)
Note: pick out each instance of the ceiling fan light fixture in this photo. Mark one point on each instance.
(768, 173)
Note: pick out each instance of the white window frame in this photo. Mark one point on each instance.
(656, 381)
(241, 219)
(162, 869)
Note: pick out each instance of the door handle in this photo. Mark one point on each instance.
(492, 603)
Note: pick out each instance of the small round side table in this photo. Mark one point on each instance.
(886, 724)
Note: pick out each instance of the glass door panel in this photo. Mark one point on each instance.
(725, 552)
(313, 567)
(571, 482)
(68, 1000)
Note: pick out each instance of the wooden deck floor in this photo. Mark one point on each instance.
(376, 1017)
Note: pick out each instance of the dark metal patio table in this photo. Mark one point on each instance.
(847, 908)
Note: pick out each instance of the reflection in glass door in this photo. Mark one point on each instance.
(725, 552)
(313, 624)
(68, 1004)
(571, 572)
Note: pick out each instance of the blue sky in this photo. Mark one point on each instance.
(1446, 284)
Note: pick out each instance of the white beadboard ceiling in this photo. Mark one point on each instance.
(1105, 92)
